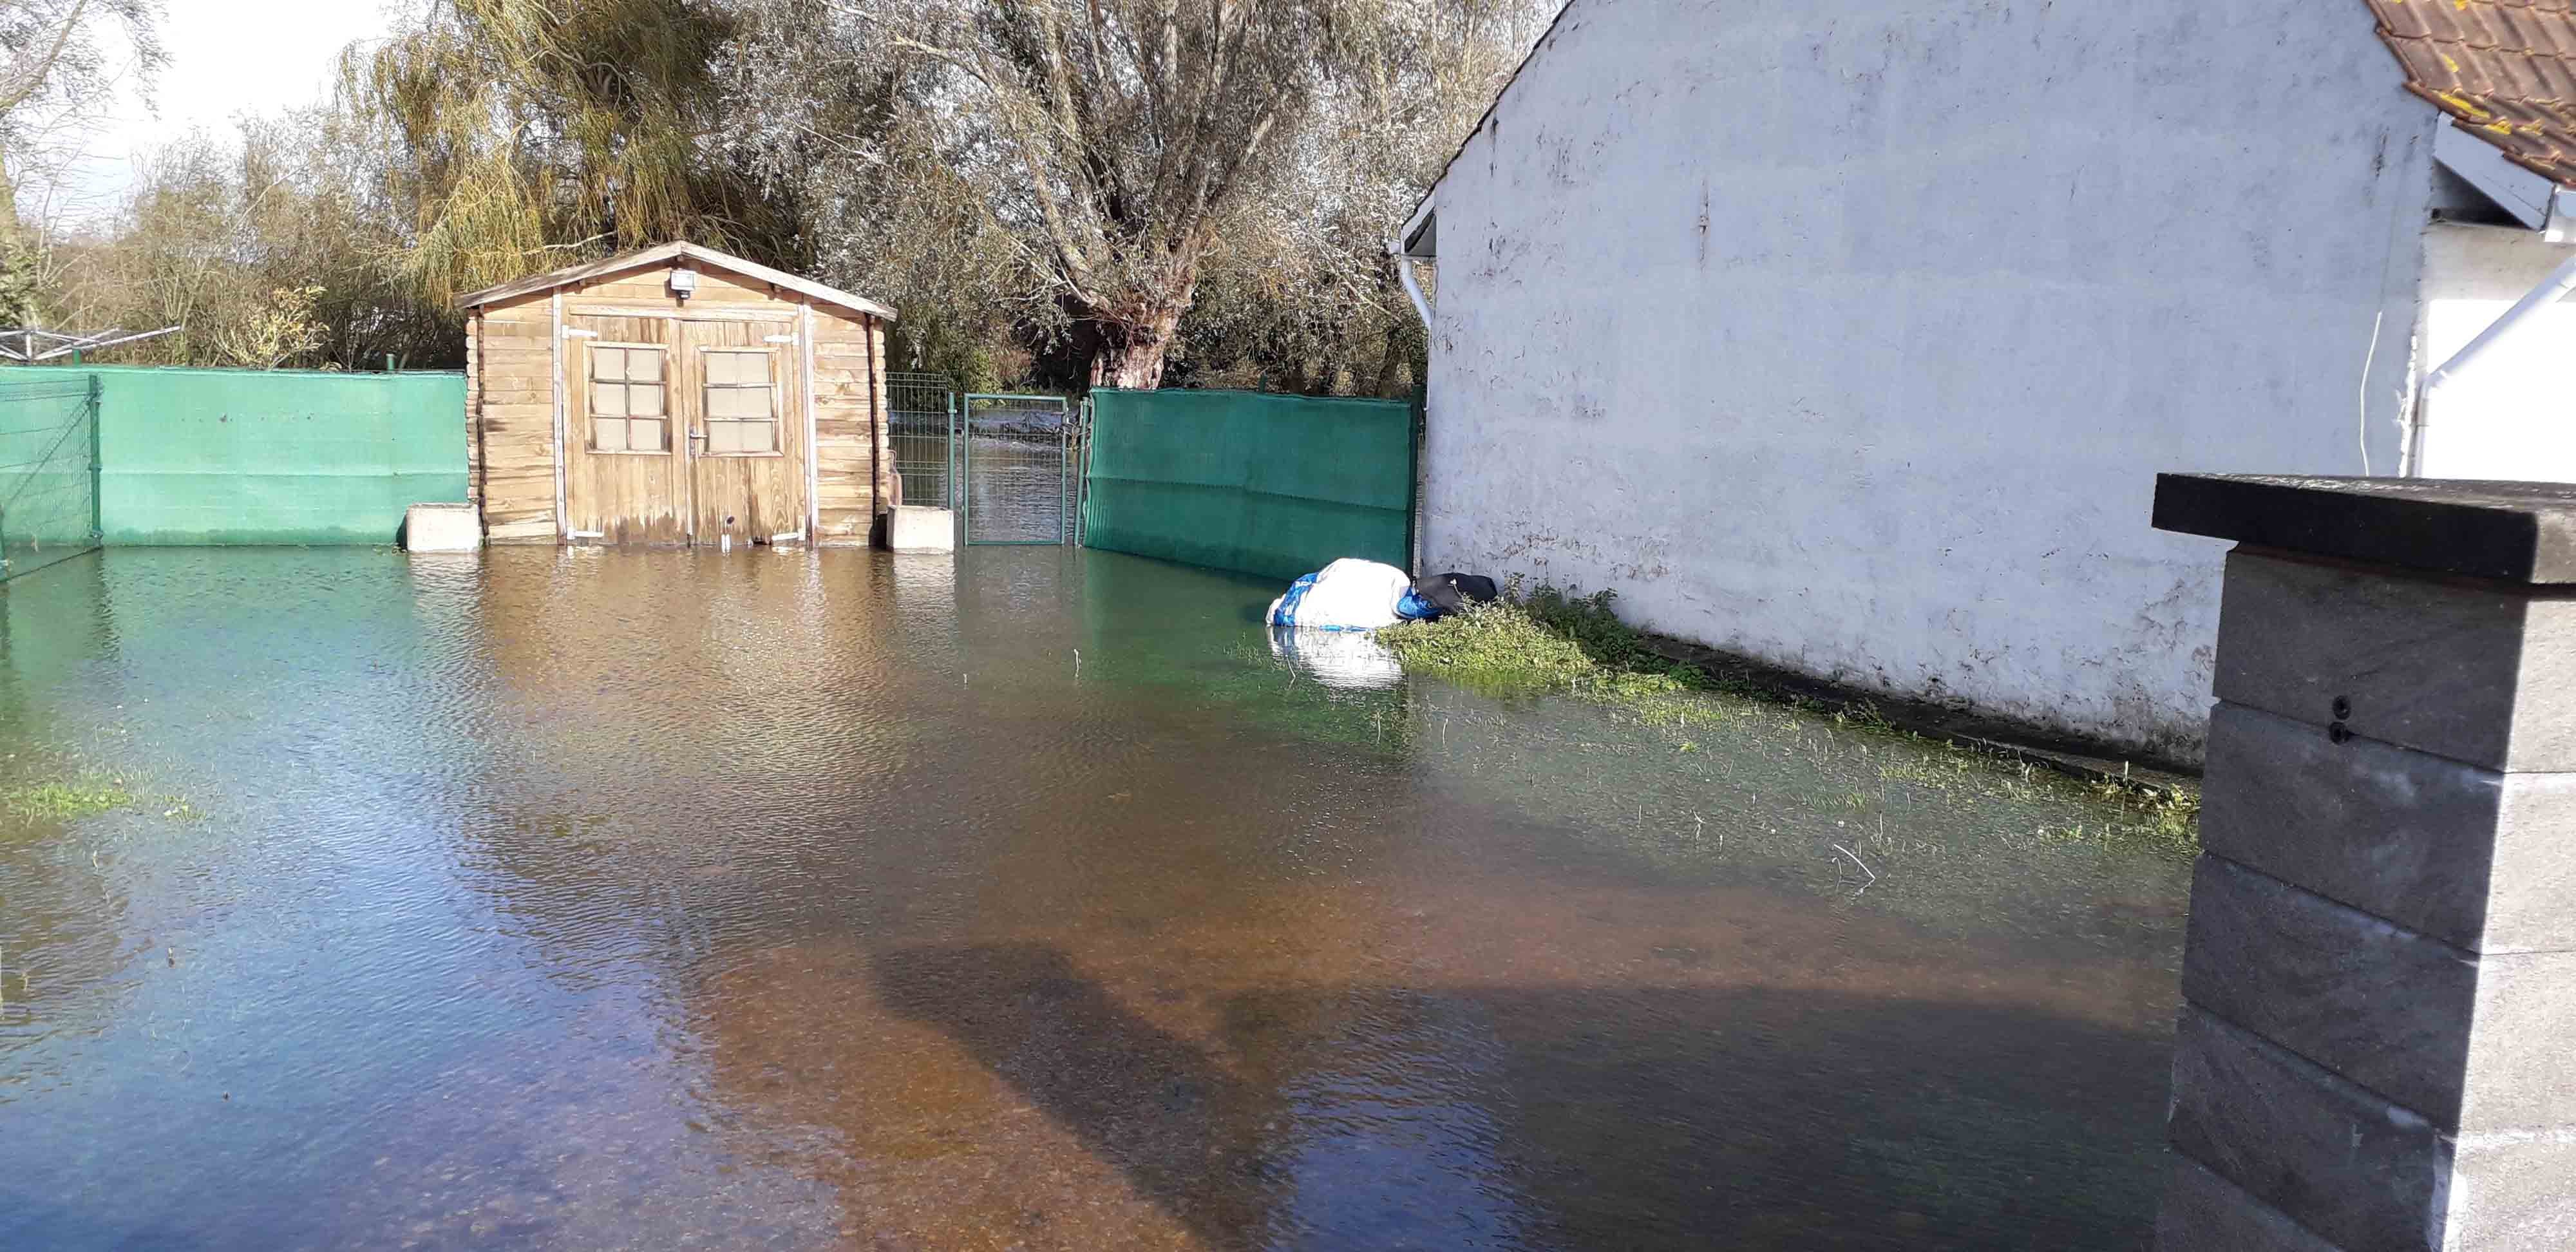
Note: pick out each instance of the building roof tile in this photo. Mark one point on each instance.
(2505, 70)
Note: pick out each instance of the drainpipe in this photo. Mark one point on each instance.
(1412, 288)
(1422, 387)
(2551, 290)
(1404, 264)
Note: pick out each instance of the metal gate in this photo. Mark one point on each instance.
(921, 412)
(48, 469)
(1018, 469)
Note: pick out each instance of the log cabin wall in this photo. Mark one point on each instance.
(855, 458)
(509, 387)
(521, 367)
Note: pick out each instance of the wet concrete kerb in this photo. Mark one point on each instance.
(2380, 975)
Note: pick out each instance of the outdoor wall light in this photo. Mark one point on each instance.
(684, 283)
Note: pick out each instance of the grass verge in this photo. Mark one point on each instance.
(1549, 640)
(1556, 640)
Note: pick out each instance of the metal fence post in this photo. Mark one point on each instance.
(97, 514)
(1082, 475)
(1418, 419)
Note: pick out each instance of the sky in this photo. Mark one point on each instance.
(228, 59)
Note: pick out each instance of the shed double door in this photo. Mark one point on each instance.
(681, 430)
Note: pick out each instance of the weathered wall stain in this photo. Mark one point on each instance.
(1858, 337)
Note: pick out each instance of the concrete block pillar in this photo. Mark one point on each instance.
(2378, 1049)
(921, 528)
(442, 528)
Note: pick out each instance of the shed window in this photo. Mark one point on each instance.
(741, 414)
(629, 408)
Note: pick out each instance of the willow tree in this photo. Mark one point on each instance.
(1300, 295)
(1103, 150)
(534, 133)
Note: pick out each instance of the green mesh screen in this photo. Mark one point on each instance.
(48, 483)
(1238, 480)
(203, 456)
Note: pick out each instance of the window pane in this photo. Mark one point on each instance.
(645, 436)
(608, 435)
(720, 369)
(608, 363)
(752, 367)
(721, 437)
(608, 399)
(759, 436)
(644, 365)
(644, 400)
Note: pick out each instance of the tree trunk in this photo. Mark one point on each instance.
(1389, 363)
(1131, 351)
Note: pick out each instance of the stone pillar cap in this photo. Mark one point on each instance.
(2522, 532)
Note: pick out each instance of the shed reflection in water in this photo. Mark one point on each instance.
(584, 898)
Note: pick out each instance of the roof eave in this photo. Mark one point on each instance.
(660, 253)
(2531, 197)
(1419, 237)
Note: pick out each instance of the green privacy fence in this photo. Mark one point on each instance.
(1262, 484)
(182, 456)
(192, 456)
(48, 469)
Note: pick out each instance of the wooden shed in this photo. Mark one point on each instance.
(676, 396)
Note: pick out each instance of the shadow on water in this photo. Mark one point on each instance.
(1635, 1117)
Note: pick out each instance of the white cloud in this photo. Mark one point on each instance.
(228, 59)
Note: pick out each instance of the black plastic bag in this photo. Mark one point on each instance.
(1447, 593)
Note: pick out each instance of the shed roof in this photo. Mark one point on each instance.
(2505, 70)
(674, 252)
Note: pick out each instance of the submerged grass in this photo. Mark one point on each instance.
(1557, 640)
(86, 795)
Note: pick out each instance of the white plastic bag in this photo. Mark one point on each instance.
(1349, 594)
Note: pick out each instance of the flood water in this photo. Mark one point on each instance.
(595, 899)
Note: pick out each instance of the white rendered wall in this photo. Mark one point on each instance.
(2513, 413)
(1852, 337)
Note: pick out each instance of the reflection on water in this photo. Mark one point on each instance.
(1021, 900)
(1345, 660)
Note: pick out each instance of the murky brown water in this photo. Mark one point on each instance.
(773, 900)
